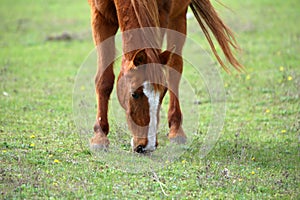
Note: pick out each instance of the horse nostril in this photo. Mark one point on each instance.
(135, 95)
(140, 149)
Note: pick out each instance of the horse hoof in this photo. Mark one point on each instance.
(99, 142)
(178, 140)
(177, 136)
(98, 147)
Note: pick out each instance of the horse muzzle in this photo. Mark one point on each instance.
(142, 148)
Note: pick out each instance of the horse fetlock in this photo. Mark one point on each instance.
(101, 126)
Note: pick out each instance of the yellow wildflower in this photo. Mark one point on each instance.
(290, 78)
(4, 151)
(183, 161)
(32, 136)
(248, 77)
(252, 172)
(56, 161)
(32, 145)
(281, 68)
(283, 131)
(267, 111)
(253, 158)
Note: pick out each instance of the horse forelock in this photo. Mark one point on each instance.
(154, 71)
(146, 14)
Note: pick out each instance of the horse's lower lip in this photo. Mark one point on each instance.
(140, 149)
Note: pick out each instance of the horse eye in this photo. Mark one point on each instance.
(134, 95)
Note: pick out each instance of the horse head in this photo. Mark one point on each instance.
(141, 88)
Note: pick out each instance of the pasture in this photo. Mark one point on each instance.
(43, 44)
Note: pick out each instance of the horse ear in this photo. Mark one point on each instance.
(166, 55)
(140, 57)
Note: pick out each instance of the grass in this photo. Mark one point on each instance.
(42, 156)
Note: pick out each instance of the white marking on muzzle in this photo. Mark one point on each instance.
(153, 100)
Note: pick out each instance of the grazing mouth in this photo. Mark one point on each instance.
(142, 149)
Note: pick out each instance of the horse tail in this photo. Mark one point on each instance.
(208, 17)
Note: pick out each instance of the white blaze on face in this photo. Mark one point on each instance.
(153, 100)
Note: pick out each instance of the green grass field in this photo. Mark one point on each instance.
(42, 155)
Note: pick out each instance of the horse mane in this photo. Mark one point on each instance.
(147, 15)
(146, 12)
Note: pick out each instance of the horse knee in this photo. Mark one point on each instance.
(104, 89)
(104, 85)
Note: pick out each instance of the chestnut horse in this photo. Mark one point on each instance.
(143, 81)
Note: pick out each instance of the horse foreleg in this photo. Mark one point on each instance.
(104, 85)
(104, 80)
(176, 133)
